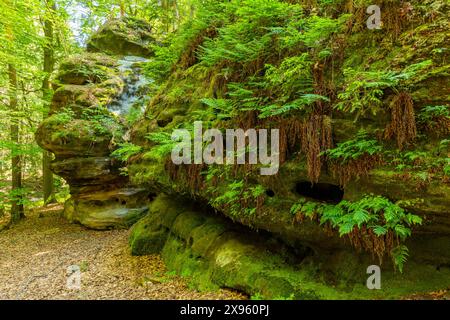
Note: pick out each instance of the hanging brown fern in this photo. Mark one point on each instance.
(187, 174)
(291, 130)
(248, 120)
(435, 120)
(354, 168)
(316, 137)
(403, 122)
(380, 245)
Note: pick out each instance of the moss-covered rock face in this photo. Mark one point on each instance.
(82, 132)
(364, 122)
(87, 68)
(76, 137)
(214, 252)
(363, 115)
(126, 36)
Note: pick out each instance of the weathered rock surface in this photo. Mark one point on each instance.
(420, 190)
(214, 252)
(82, 132)
(105, 210)
(126, 36)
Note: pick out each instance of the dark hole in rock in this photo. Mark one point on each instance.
(442, 265)
(124, 202)
(320, 191)
(163, 122)
(270, 193)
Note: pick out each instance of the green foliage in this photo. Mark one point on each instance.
(446, 168)
(163, 145)
(354, 149)
(208, 15)
(230, 198)
(422, 164)
(374, 213)
(433, 113)
(250, 35)
(125, 151)
(19, 196)
(240, 97)
(302, 105)
(364, 90)
(64, 116)
(133, 115)
(313, 32)
(102, 121)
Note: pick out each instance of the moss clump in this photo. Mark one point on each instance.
(125, 36)
(76, 137)
(87, 68)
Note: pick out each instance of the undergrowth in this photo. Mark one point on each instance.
(372, 223)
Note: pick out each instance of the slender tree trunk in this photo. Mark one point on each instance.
(122, 8)
(176, 20)
(47, 93)
(17, 211)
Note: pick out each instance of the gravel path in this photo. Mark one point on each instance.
(36, 253)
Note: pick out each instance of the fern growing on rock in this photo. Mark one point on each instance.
(354, 158)
(372, 223)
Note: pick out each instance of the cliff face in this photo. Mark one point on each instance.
(88, 120)
(359, 139)
(364, 125)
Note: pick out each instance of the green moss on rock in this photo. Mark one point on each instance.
(213, 252)
(125, 36)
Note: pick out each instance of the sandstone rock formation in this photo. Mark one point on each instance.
(87, 123)
(308, 175)
(127, 36)
(228, 226)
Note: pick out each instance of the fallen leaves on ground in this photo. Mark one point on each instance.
(36, 253)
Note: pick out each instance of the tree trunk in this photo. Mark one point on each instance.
(122, 9)
(17, 211)
(47, 93)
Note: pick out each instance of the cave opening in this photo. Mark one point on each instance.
(325, 192)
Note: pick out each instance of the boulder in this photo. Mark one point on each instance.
(213, 252)
(82, 130)
(125, 36)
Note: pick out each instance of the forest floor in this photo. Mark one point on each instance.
(35, 255)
